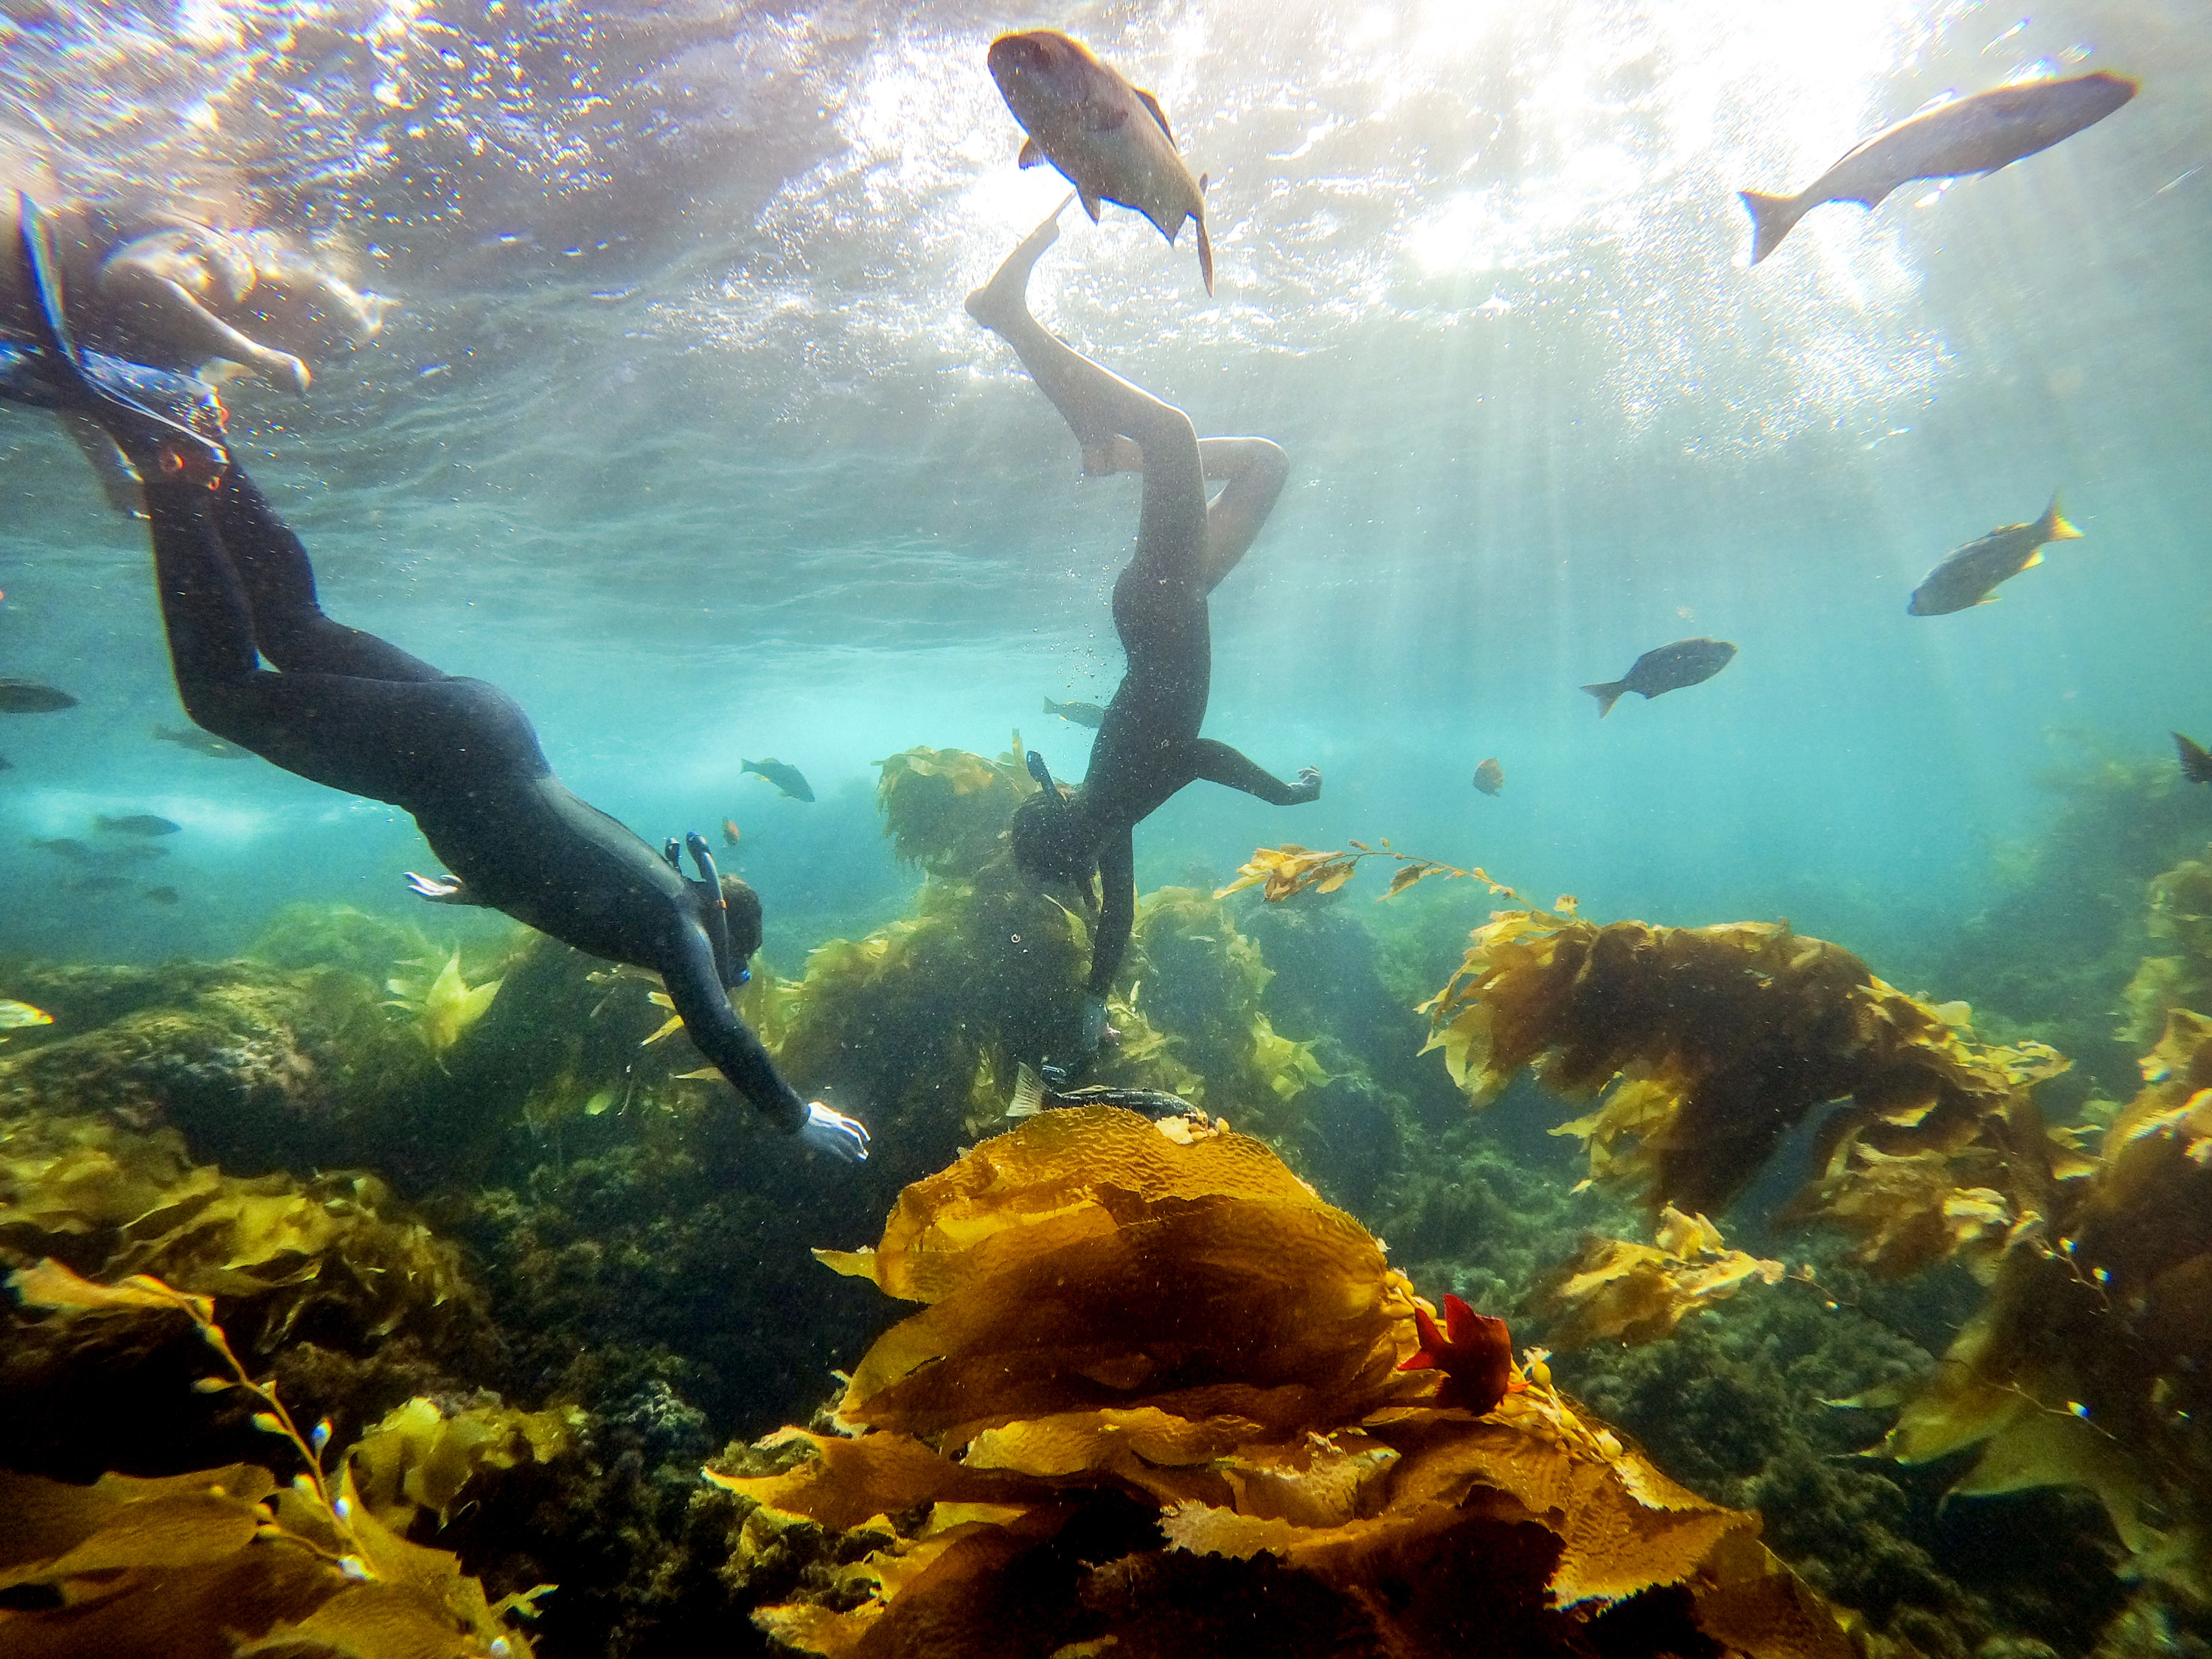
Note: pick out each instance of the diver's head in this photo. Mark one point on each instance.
(744, 920)
(1049, 840)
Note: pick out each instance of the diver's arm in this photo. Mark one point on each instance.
(1216, 763)
(1117, 910)
(168, 310)
(696, 989)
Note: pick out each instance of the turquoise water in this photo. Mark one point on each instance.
(679, 431)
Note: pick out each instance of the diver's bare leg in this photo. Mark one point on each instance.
(1256, 469)
(1062, 373)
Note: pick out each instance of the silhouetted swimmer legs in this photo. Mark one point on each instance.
(1098, 405)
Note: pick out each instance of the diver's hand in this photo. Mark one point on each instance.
(1308, 784)
(439, 890)
(1097, 1033)
(832, 1132)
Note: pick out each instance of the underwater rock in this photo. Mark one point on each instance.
(1128, 1337)
(258, 1068)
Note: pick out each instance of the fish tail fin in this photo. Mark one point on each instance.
(1029, 1093)
(1204, 241)
(1771, 217)
(1607, 694)
(2054, 527)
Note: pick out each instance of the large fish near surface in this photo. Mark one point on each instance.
(1667, 668)
(1969, 577)
(1109, 139)
(1979, 134)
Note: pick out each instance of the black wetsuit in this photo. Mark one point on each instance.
(350, 710)
(1148, 746)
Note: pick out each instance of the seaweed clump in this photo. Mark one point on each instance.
(1154, 1402)
(218, 1562)
(2087, 1367)
(1704, 1046)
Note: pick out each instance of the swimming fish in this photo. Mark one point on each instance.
(1473, 1351)
(1032, 1095)
(1107, 138)
(65, 847)
(202, 742)
(14, 1016)
(29, 697)
(1490, 777)
(162, 895)
(1979, 134)
(1669, 668)
(1080, 714)
(1969, 577)
(786, 778)
(138, 823)
(2196, 763)
(729, 832)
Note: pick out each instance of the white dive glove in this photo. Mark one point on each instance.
(831, 1131)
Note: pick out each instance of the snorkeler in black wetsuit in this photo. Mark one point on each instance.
(346, 709)
(1148, 745)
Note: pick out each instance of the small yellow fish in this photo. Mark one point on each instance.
(15, 1015)
(729, 832)
(1490, 777)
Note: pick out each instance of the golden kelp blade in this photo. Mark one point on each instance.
(1118, 1320)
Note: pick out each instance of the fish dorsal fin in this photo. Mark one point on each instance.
(1032, 153)
(1029, 1093)
(1988, 598)
(2033, 560)
(1089, 199)
(1158, 114)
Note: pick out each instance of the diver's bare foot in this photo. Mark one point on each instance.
(1006, 296)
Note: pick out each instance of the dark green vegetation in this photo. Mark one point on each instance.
(559, 1216)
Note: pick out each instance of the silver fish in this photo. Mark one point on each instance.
(1979, 134)
(1109, 139)
(1969, 577)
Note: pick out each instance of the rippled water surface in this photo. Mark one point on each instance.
(677, 429)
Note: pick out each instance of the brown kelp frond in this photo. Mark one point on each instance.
(422, 1457)
(338, 1250)
(1618, 1290)
(2085, 1365)
(444, 1004)
(1291, 869)
(210, 1563)
(1704, 1046)
(946, 808)
(1131, 1337)
(2180, 912)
